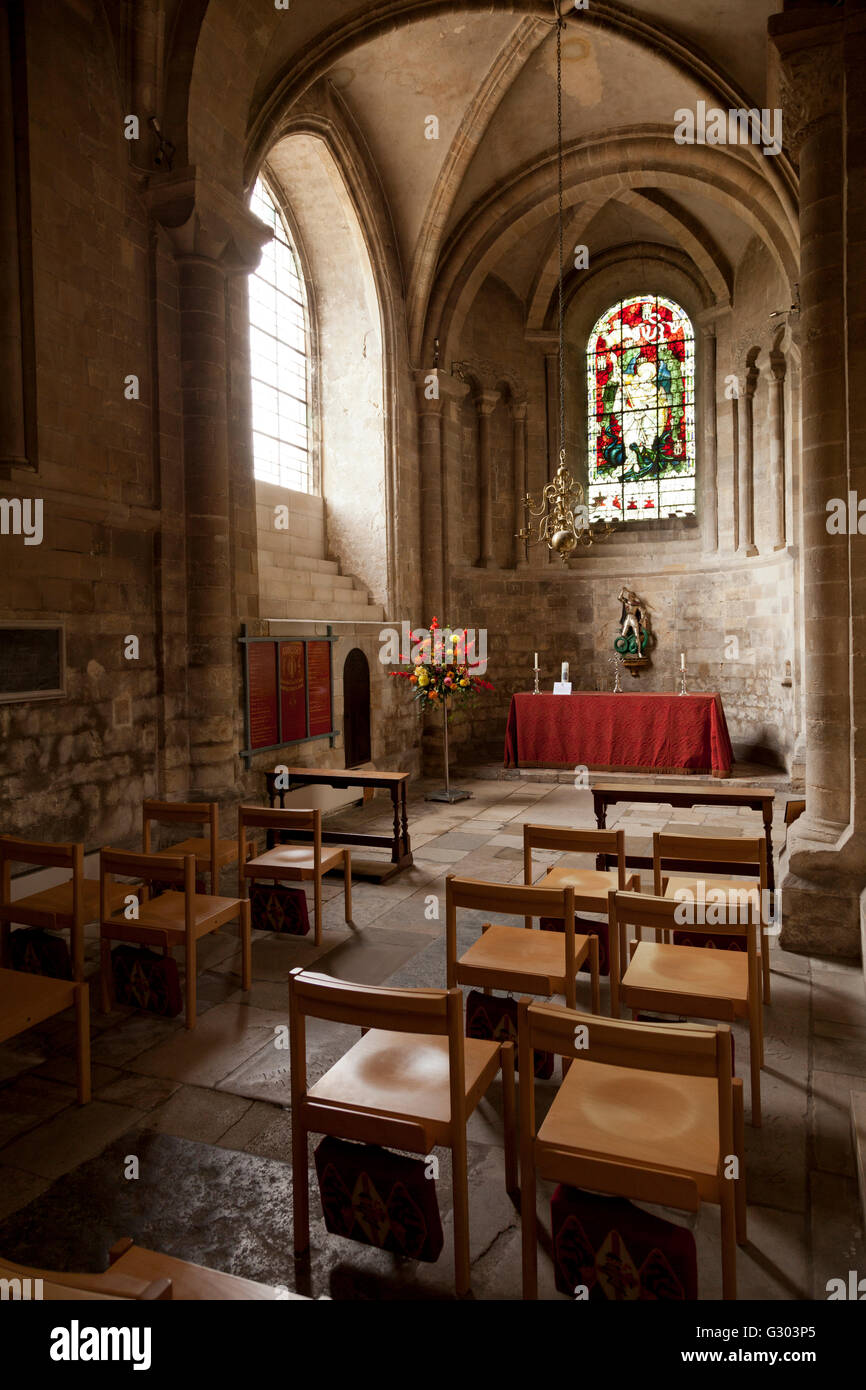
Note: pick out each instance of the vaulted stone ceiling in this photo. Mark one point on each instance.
(480, 199)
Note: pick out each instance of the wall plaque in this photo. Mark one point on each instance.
(319, 686)
(293, 692)
(263, 720)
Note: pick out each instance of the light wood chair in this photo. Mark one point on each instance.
(411, 1083)
(703, 853)
(67, 907)
(137, 1273)
(26, 1000)
(647, 1112)
(211, 853)
(287, 862)
(591, 886)
(519, 958)
(673, 979)
(175, 918)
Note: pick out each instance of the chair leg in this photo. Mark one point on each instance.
(105, 980)
(509, 1115)
(246, 944)
(82, 1041)
(765, 968)
(740, 1153)
(593, 969)
(460, 1202)
(347, 882)
(317, 903)
(528, 1221)
(729, 1242)
(190, 985)
(755, 1055)
(300, 1189)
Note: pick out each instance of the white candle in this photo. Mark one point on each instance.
(536, 660)
(682, 661)
(564, 672)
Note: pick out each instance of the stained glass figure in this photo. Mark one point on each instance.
(640, 366)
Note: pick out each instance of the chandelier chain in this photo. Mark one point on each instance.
(560, 22)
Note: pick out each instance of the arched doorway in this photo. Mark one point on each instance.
(356, 708)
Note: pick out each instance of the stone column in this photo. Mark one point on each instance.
(14, 250)
(485, 404)
(777, 448)
(212, 235)
(819, 55)
(432, 518)
(518, 454)
(735, 472)
(747, 465)
(710, 495)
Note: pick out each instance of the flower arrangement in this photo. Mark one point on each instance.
(444, 672)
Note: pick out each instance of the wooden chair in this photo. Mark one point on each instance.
(519, 958)
(26, 1000)
(67, 907)
(751, 853)
(671, 979)
(591, 886)
(291, 862)
(794, 810)
(175, 918)
(411, 1083)
(647, 1112)
(134, 1272)
(211, 853)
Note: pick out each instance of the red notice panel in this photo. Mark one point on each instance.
(319, 676)
(292, 691)
(263, 694)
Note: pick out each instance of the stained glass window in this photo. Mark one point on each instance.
(278, 357)
(640, 369)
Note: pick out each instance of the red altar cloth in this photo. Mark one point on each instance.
(632, 732)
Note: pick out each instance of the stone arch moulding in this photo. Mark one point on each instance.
(598, 170)
(344, 175)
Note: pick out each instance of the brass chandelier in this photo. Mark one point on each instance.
(563, 516)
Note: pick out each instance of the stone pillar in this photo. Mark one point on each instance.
(777, 448)
(710, 495)
(485, 404)
(747, 465)
(735, 472)
(15, 270)
(432, 518)
(518, 454)
(212, 235)
(819, 54)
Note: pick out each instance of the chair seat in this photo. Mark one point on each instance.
(525, 955)
(59, 900)
(291, 860)
(690, 971)
(166, 914)
(227, 851)
(406, 1075)
(591, 886)
(657, 1119)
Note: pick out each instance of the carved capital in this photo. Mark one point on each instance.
(204, 221)
(485, 402)
(808, 80)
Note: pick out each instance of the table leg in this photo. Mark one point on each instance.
(600, 806)
(768, 834)
(407, 848)
(395, 848)
(82, 1041)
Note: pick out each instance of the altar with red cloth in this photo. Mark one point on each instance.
(626, 732)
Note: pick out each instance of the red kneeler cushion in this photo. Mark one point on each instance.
(619, 1252)
(584, 927)
(491, 1017)
(144, 979)
(39, 952)
(276, 907)
(380, 1198)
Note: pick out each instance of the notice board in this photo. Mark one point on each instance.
(289, 691)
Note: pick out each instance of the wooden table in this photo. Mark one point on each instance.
(394, 782)
(761, 799)
(26, 1000)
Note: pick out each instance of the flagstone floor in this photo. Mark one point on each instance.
(207, 1113)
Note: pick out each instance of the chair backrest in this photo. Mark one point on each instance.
(511, 900)
(793, 811)
(581, 841)
(437, 1012)
(272, 818)
(695, 1050)
(108, 1285)
(39, 853)
(177, 871)
(746, 854)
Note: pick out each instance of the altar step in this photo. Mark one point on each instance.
(742, 774)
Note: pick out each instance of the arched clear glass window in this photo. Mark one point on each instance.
(279, 357)
(640, 366)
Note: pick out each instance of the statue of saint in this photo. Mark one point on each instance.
(635, 622)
